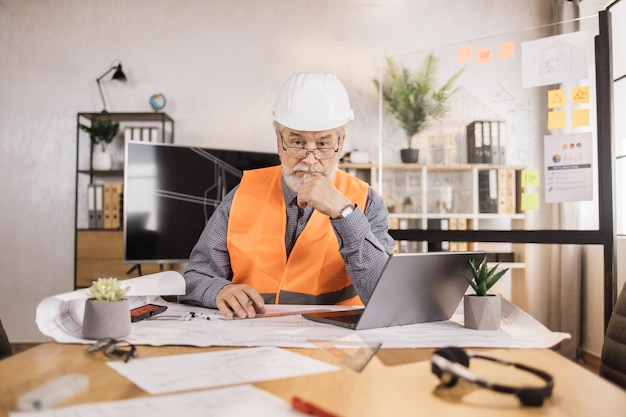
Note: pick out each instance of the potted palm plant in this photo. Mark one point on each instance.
(101, 133)
(107, 312)
(414, 98)
(482, 310)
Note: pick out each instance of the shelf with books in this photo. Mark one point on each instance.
(422, 192)
(99, 192)
(449, 197)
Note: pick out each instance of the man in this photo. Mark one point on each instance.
(303, 232)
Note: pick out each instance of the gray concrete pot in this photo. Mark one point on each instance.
(106, 319)
(409, 155)
(482, 312)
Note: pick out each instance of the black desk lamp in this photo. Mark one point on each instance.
(117, 75)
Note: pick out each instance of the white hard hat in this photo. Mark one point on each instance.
(313, 101)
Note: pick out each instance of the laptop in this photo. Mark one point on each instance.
(413, 288)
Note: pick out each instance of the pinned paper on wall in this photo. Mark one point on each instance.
(464, 53)
(580, 118)
(556, 120)
(568, 173)
(556, 98)
(529, 178)
(555, 59)
(530, 201)
(506, 50)
(580, 95)
(483, 55)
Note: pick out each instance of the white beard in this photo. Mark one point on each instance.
(294, 177)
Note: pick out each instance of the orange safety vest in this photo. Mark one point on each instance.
(315, 272)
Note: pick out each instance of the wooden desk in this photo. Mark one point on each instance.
(394, 383)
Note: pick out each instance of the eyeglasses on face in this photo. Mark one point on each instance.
(114, 349)
(300, 152)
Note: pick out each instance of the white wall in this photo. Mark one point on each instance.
(218, 62)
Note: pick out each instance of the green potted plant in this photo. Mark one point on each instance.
(414, 98)
(101, 133)
(482, 310)
(107, 311)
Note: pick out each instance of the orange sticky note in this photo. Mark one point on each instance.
(464, 53)
(530, 201)
(556, 120)
(506, 50)
(483, 55)
(580, 118)
(580, 95)
(556, 98)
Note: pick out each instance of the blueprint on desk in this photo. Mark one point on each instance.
(60, 317)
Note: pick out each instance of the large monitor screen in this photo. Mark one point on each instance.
(170, 191)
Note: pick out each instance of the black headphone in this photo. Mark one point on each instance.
(452, 363)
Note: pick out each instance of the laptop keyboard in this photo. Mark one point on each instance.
(348, 318)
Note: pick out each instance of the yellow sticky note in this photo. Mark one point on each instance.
(483, 55)
(556, 98)
(530, 201)
(580, 95)
(464, 53)
(529, 178)
(556, 120)
(506, 50)
(580, 117)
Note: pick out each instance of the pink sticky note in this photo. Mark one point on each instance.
(483, 55)
(506, 50)
(464, 53)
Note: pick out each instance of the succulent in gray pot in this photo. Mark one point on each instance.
(483, 311)
(107, 312)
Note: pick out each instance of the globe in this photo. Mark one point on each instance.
(157, 101)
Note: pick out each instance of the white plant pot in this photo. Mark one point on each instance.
(106, 319)
(102, 160)
(482, 312)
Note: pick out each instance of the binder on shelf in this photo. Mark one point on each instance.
(497, 143)
(502, 142)
(518, 191)
(469, 225)
(461, 224)
(128, 134)
(453, 224)
(487, 143)
(145, 134)
(112, 205)
(487, 191)
(154, 134)
(99, 206)
(507, 191)
(117, 205)
(475, 142)
(91, 206)
(136, 133)
(106, 206)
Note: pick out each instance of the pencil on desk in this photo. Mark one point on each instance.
(308, 408)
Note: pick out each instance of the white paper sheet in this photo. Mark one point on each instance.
(555, 59)
(61, 316)
(173, 373)
(223, 402)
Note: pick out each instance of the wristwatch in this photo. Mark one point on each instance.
(344, 212)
